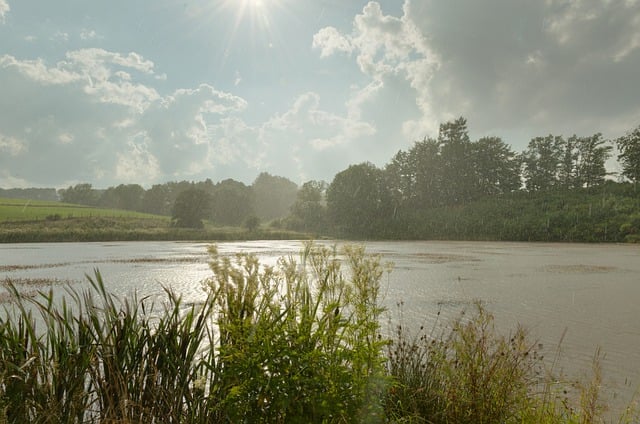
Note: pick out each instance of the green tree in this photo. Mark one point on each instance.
(273, 196)
(190, 208)
(232, 203)
(309, 211)
(157, 200)
(124, 196)
(80, 194)
(457, 174)
(251, 223)
(496, 167)
(542, 162)
(592, 154)
(358, 201)
(629, 157)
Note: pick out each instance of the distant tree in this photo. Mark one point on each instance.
(358, 201)
(124, 196)
(457, 174)
(309, 211)
(542, 162)
(190, 208)
(232, 203)
(251, 223)
(592, 154)
(157, 200)
(273, 196)
(629, 157)
(80, 194)
(496, 167)
(414, 178)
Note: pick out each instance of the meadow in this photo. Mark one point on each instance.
(25, 221)
(16, 210)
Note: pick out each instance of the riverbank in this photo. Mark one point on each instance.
(123, 228)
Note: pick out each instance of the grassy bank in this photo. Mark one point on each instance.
(25, 221)
(299, 342)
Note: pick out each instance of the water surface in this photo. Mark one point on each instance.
(586, 295)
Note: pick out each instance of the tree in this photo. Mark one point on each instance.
(456, 158)
(542, 161)
(127, 197)
(629, 157)
(273, 196)
(80, 194)
(358, 201)
(251, 223)
(309, 211)
(496, 167)
(232, 203)
(157, 200)
(190, 208)
(592, 154)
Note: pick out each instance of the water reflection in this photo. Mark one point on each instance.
(588, 293)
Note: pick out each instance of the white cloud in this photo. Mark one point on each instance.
(4, 9)
(66, 138)
(136, 163)
(60, 36)
(386, 47)
(329, 41)
(12, 145)
(88, 34)
(96, 70)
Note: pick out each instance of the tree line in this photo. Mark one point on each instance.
(426, 191)
(225, 203)
(418, 191)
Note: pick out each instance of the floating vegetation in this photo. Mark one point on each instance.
(8, 268)
(579, 269)
(36, 281)
(441, 258)
(188, 259)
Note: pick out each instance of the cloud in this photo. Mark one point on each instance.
(11, 145)
(511, 68)
(308, 141)
(96, 71)
(136, 163)
(391, 51)
(95, 116)
(329, 41)
(4, 9)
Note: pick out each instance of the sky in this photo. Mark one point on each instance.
(166, 90)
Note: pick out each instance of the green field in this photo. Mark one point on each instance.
(16, 210)
(23, 221)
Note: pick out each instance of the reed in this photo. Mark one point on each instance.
(296, 342)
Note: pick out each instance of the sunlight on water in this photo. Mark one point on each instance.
(585, 295)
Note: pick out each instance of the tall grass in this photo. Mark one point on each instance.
(296, 342)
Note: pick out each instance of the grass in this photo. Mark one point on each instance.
(297, 342)
(16, 210)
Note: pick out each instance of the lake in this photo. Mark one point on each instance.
(588, 296)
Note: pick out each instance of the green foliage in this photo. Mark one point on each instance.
(231, 203)
(18, 210)
(309, 211)
(358, 202)
(471, 374)
(273, 196)
(297, 342)
(251, 223)
(190, 208)
(629, 157)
